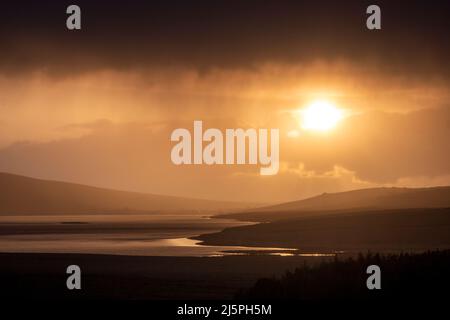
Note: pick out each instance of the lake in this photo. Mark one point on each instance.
(145, 235)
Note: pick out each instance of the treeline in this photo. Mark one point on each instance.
(403, 276)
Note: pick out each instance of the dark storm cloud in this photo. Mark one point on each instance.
(139, 34)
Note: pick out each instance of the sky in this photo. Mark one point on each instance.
(97, 106)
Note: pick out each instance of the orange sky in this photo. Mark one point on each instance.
(112, 129)
(97, 106)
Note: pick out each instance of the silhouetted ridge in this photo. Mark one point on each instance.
(24, 195)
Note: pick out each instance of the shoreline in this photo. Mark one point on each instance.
(386, 231)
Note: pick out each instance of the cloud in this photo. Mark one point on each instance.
(225, 34)
(36, 107)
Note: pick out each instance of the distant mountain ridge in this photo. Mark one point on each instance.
(24, 195)
(356, 201)
(372, 198)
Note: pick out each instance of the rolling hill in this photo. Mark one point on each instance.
(351, 201)
(21, 195)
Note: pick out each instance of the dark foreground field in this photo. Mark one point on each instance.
(42, 276)
(403, 277)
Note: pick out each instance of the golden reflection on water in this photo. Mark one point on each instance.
(156, 236)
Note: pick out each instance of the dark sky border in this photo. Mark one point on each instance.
(226, 34)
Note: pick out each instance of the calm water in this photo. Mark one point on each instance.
(156, 235)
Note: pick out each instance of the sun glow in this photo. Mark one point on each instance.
(320, 116)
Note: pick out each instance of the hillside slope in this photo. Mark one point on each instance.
(24, 195)
(374, 198)
(351, 201)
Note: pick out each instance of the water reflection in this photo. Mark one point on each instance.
(163, 235)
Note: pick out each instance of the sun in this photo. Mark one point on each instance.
(320, 115)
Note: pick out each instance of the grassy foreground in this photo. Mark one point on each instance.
(422, 276)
